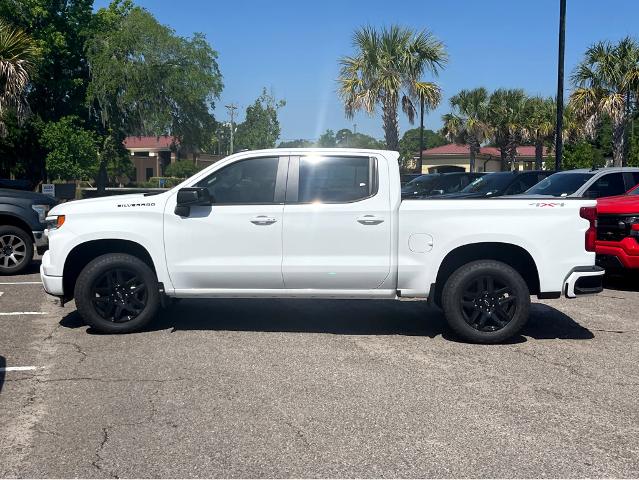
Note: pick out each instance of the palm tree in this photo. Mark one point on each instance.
(18, 54)
(506, 110)
(468, 121)
(387, 69)
(606, 82)
(539, 124)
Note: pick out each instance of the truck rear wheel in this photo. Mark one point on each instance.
(16, 250)
(117, 293)
(486, 301)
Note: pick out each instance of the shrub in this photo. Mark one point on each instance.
(181, 169)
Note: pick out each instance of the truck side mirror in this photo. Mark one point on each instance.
(190, 197)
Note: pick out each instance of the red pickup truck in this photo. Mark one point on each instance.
(617, 243)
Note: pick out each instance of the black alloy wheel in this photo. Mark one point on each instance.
(119, 295)
(488, 303)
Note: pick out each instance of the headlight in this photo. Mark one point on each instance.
(54, 222)
(42, 211)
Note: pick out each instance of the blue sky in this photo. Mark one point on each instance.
(293, 47)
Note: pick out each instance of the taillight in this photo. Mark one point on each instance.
(590, 214)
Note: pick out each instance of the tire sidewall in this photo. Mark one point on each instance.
(452, 297)
(97, 267)
(26, 238)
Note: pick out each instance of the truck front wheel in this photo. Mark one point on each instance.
(117, 293)
(486, 301)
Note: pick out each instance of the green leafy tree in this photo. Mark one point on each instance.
(181, 169)
(18, 54)
(72, 150)
(299, 143)
(386, 70)
(507, 116)
(582, 154)
(58, 87)
(146, 80)
(606, 83)
(469, 121)
(345, 138)
(327, 139)
(409, 145)
(261, 128)
(539, 123)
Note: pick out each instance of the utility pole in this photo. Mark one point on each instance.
(231, 107)
(421, 135)
(559, 140)
(354, 128)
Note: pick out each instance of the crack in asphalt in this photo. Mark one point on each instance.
(571, 369)
(299, 434)
(78, 349)
(98, 461)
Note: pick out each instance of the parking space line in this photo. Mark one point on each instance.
(17, 369)
(20, 283)
(10, 314)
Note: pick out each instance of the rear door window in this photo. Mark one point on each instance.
(336, 179)
(607, 186)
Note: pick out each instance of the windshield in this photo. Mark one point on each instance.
(420, 185)
(560, 184)
(490, 184)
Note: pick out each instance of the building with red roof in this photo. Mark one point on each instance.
(456, 158)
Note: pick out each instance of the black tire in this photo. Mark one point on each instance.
(16, 250)
(486, 301)
(117, 293)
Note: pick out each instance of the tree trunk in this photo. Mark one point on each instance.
(474, 151)
(504, 158)
(511, 152)
(391, 126)
(619, 142)
(539, 153)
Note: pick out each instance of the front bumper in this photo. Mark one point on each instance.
(618, 255)
(584, 281)
(41, 242)
(52, 285)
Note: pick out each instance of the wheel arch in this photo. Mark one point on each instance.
(14, 221)
(514, 255)
(82, 254)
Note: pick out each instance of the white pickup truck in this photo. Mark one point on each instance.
(318, 223)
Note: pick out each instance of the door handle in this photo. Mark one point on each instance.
(370, 220)
(263, 220)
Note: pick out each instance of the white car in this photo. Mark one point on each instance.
(582, 182)
(318, 223)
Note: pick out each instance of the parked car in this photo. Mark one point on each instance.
(313, 223)
(618, 232)
(438, 184)
(497, 184)
(22, 224)
(605, 182)
(407, 177)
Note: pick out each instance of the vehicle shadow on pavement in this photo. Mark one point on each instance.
(3, 365)
(625, 282)
(339, 317)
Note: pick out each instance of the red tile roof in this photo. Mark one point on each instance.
(164, 141)
(457, 149)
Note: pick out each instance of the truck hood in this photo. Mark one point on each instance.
(620, 205)
(110, 203)
(34, 197)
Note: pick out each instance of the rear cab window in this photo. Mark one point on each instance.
(331, 179)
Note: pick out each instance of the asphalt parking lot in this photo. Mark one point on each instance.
(254, 388)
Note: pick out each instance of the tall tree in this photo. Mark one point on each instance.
(386, 70)
(507, 113)
(468, 121)
(261, 128)
(539, 124)
(18, 53)
(146, 80)
(606, 82)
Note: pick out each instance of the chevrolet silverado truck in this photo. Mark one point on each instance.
(22, 225)
(617, 244)
(318, 223)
